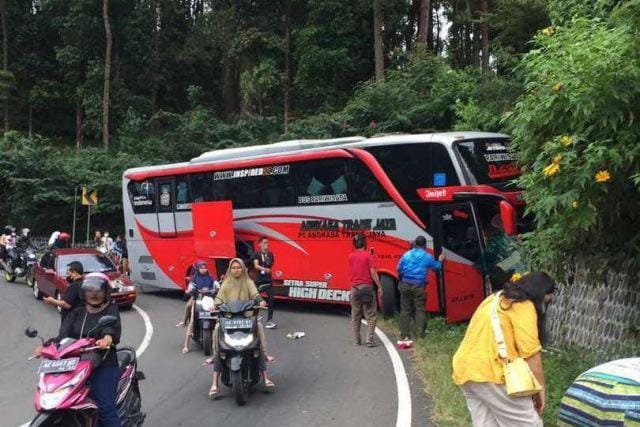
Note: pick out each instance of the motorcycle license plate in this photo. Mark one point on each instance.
(205, 315)
(238, 324)
(57, 366)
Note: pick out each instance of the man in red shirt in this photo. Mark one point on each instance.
(363, 295)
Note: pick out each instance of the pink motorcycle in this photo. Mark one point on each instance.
(62, 397)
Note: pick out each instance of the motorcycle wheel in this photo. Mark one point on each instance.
(36, 291)
(240, 388)
(9, 277)
(28, 277)
(207, 341)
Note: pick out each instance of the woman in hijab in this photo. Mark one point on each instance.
(201, 281)
(238, 286)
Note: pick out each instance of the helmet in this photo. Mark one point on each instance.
(25, 232)
(64, 236)
(8, 229)
(96, 282)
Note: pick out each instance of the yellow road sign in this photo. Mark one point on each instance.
(89, 197)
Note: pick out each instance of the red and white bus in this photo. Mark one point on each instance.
(309, 197)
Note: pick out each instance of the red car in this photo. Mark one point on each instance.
(50, 274)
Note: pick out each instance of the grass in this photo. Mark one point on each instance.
(432, 359)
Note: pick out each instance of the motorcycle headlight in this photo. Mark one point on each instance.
(207, 303)
(50, 400)
(237, 340)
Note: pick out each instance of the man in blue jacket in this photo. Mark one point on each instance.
(413, 269)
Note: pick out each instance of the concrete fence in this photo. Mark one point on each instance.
(600, 312)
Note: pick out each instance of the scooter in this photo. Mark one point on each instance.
(19, 263)
(62, 396)
(239, 347)
(204, 321)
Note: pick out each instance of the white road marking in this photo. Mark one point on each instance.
(148, 330)
(148, 333)
(402, 383)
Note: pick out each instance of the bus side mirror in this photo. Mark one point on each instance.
(508, 217)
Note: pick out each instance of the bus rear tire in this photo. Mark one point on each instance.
(389, 299)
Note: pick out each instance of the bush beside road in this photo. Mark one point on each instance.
(432, 358)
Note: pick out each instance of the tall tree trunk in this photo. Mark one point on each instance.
(230, 86)
(5, 57)
(155, 55)
(107, 74)
(438, 43)
(423, 25)
(30, 120)
(287, 65)
(484, 9)
(377, 40)
(433, 6)
(79, 114)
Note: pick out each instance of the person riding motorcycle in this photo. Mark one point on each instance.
(237, 285)
(24, 241)
(201, 280)
(81, 323)
(9, 241)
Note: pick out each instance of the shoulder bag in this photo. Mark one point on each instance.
(518, 378)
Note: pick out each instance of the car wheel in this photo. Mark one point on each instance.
(58, 296)
(36, 290)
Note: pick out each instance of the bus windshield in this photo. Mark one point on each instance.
(490, 161)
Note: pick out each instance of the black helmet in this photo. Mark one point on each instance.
(96, 282)
(359, 241)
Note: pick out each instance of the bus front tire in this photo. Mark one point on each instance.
(389, 299)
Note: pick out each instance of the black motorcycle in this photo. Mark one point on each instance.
(204, 321)
(19, 263)
(239, 345)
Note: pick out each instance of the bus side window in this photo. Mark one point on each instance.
(365, 188)
(442, 170)
(143, 196)
(183, 194)
(322, 181)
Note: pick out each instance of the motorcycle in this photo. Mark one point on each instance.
(62, 395)
(204, 321)
(19, 263)
(239, 347)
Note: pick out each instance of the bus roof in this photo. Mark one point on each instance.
(299, 145)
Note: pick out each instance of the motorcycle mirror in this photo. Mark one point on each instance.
(31, 332)
(263, 288)
(105, 321)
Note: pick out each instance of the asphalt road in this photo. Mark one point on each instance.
(320, 379)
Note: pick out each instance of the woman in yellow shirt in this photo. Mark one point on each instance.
(477, 369)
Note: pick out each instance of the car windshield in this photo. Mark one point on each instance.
(490, 161)
(92, 263)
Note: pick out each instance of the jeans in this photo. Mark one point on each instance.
(412, 300)
(269, 292)
(104, 386)
(361, 310)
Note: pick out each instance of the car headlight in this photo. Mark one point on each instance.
(51, 400)
(237, 340)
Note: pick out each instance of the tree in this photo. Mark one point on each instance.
(423, 24)
(5, 59)
(377, 41)
(484, 25)
(107, 74)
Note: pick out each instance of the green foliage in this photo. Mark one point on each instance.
(578, 117)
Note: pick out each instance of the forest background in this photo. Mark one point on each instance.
(90, 88)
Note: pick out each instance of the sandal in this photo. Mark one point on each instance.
(208, 361)
(213, 392)
(180, 325)
(270, 359)
(269, 384)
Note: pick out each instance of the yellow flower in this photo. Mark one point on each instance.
(575, 204)
(557, 87)
(515, 277)
(548, 31)
(603, 176)
(566, 140)
(551, 170)
(557, 159)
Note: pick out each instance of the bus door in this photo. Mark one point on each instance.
(166, 202)
(461, 283)
(213, 235)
